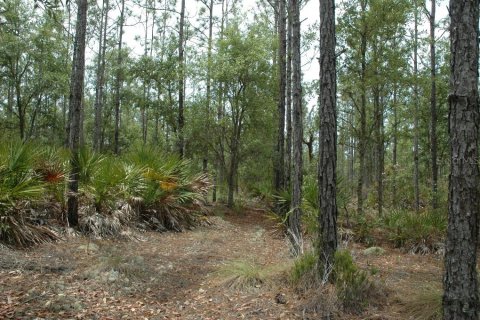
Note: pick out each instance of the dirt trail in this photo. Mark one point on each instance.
(160, 276)
(175, 276)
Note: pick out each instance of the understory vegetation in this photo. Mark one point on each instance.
(146, 190)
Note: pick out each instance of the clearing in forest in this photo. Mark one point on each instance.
(189, 275)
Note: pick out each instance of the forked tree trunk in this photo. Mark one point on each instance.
(460, 300)
(76, 96)
(327, 177)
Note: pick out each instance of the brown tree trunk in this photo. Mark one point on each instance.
(119, 81)
(76, 96)
(327, 177)
(102, 47)
(433, 108)
(461, 299)
(395, 145)
(288, 155)
(144, 104)
(416, 114)
(379, 152)
(279, 168)
(362, 139)
(295, 216)
(181, 81)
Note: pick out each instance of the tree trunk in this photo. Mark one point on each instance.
(76, 96)
(461, 300)
(288, 156)
(145, 100)
(327, 177)
(362, 139)
(119, 81)
(379, 152)
(433, 108)
(181, 81)
(395, 145)
(279, 169)
(415, 124)
(102, 47)
(295, 232)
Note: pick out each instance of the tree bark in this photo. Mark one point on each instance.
(181, 81)
(119, 81)
(395, 146)
(76, 97)
(144, 104)
(102, 46)
(279, 169)
(461, 300)
(362, 139)
(415, 123)
(296, 210)
(327, 177)
(288, 155)
(433, 108)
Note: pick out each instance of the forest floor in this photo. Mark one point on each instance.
(178, 276)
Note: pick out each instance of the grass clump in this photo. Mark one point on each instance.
(304, 274)
(245, 275)
(355, 290)
(424, 304)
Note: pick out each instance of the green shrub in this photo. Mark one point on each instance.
(354, 289)
(418, 233)
(304, 274)
(20, 188)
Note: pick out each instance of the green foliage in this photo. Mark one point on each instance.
(364, 227)
(310, 205)
(418, 233)
(160, 189)
(163, 191)
(20, 186)
(354, 289)
(304, 274)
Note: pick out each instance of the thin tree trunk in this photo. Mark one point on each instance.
(295, 232)
(181, 81)
(395, 145)
(119, 81)
(102, 47)
(362, 140)
(433, 108)
(279, 169)
(288, 156)
(415, 124)
(327, 177)
(145, 90)
(461, 299)
(76, 97)
(209, 74)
